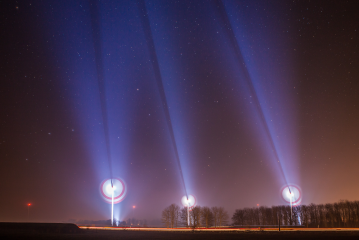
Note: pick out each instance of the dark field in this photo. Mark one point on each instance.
(127, 235)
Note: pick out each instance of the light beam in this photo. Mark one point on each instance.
(153, 56)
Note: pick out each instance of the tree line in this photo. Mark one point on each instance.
(174, 216)
(340, 214)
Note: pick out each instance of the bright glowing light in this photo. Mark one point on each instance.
(110, 189)
(117, 192)
(190, 202)
(291, 194)
(133, 206)
(29, 204)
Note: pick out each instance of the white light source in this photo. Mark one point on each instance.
(189, 202)
(110, 189)
(290, 195)
(115, 187)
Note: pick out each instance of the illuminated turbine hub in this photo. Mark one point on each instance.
(190, 202)
(118, 190)
(110, 189)
(291, 194)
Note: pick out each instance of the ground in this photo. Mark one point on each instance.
(152, 235)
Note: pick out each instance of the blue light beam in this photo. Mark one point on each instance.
(249, 82)
(153, 58)
(96, 36)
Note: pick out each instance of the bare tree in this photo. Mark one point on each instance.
(305, 215)
(215, 216)
(314, 221)
(253, 216)
(286, 214)
(166, 216)
(321, 215)
(170, 215)
(195, 214)
(349, 207)
(183, 215)
(207, 217)
(256, 216)
(262, 215)
(238, 217)
(356, 213)
(329, 216)
(337, 215)
(343, 213)
(174, 213)
(222, 216)
(275, 215)
(268, 216)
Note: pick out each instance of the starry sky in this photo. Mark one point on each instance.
(243, 96)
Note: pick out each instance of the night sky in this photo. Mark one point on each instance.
(253, 95)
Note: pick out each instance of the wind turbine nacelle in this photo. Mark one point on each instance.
(189, 202)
